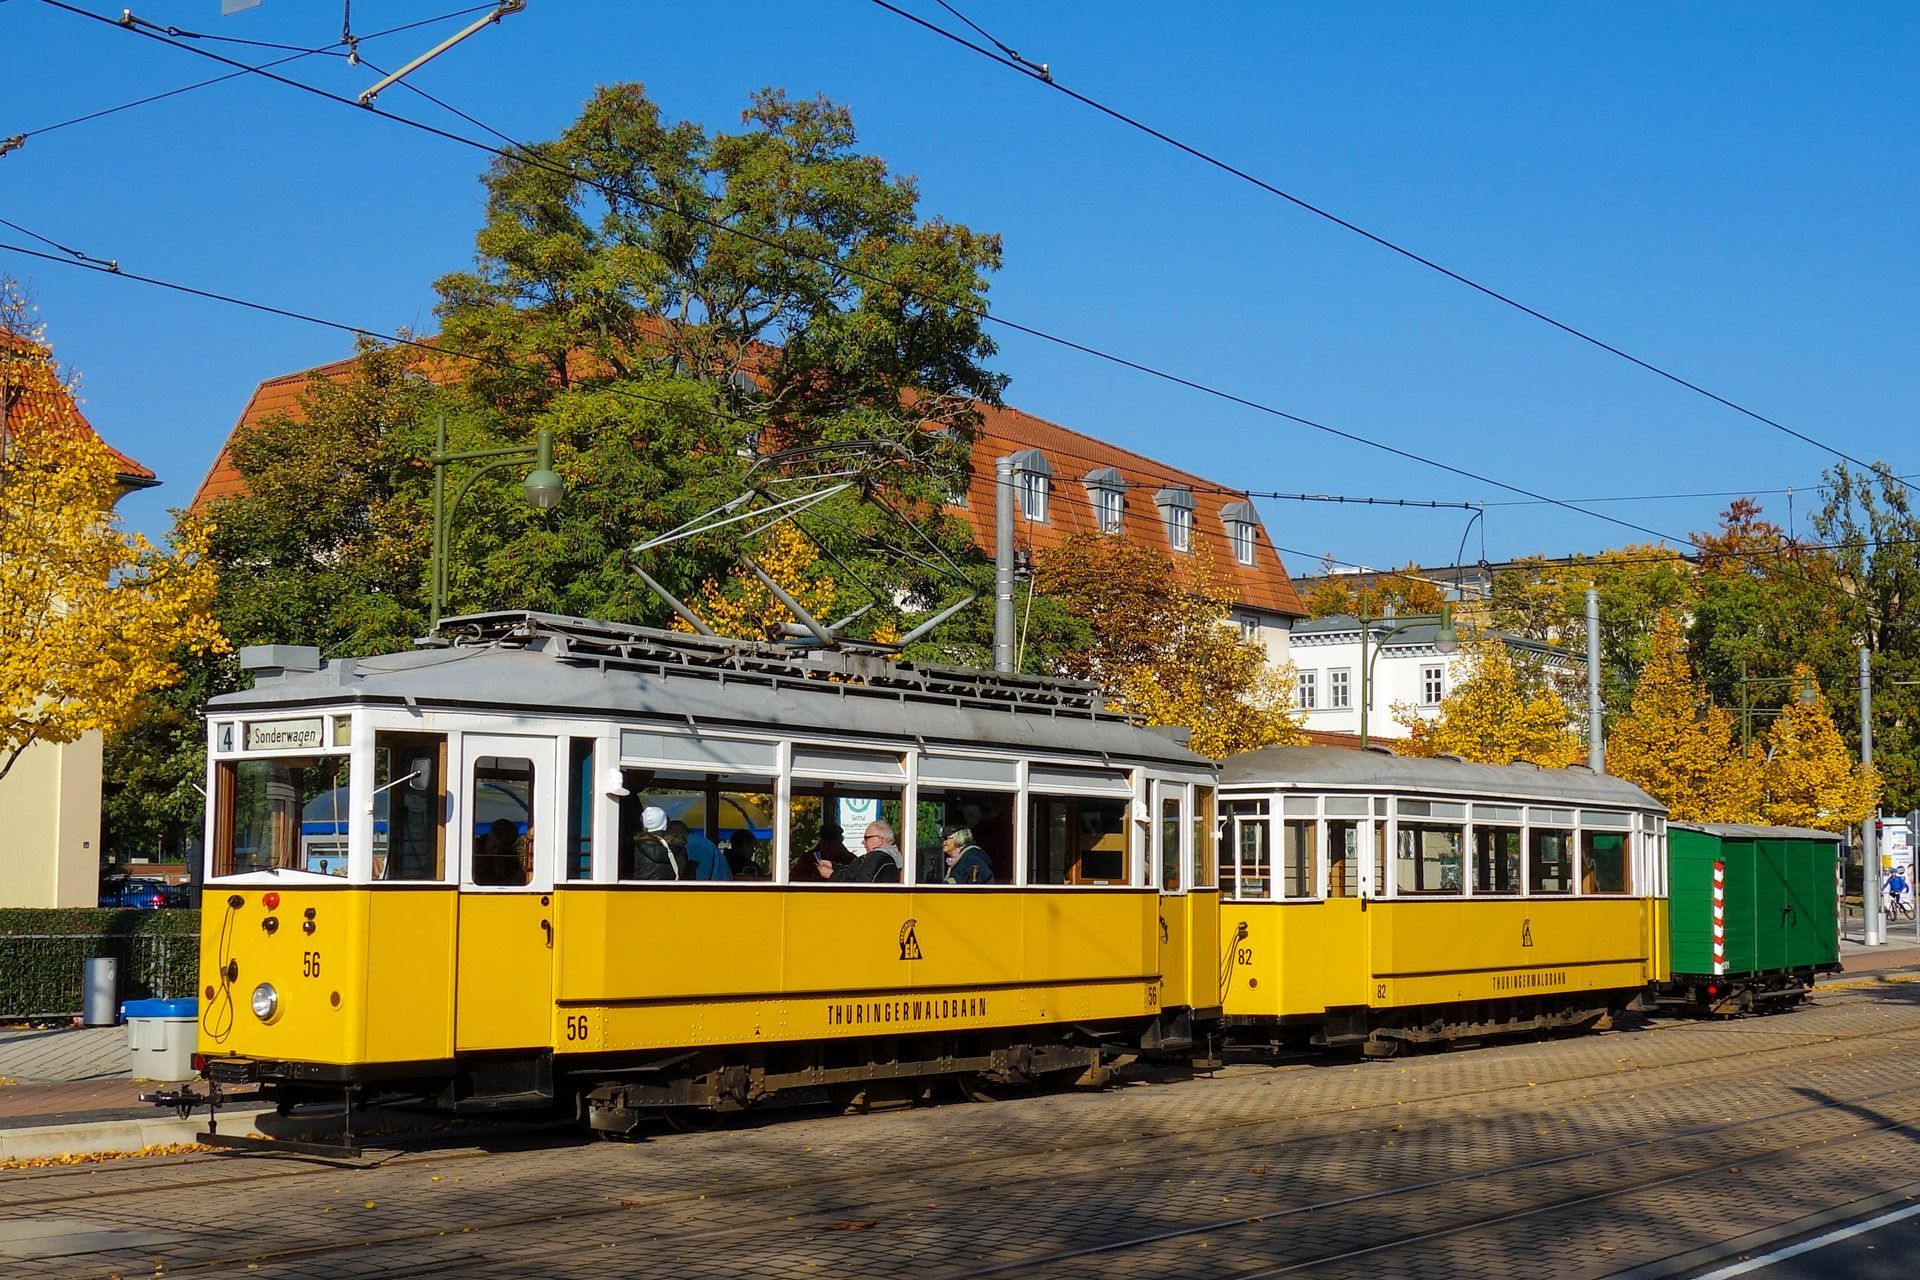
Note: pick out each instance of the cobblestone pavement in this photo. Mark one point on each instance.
(1569, 1158)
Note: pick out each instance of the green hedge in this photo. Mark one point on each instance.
(43, 950)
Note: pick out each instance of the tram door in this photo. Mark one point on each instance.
(508, 833)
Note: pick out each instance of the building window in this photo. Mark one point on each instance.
(1249, 626)
(1307, 690)
(1337, 690)
(1433, 685)
(1032, 475)
(1033, 496)
(1241, 521)
(1176, 512)
(1107, 491)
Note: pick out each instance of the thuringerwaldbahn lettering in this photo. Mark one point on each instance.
(926, 1010)
(1530, 981)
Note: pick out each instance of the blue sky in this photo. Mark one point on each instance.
(1727, 190)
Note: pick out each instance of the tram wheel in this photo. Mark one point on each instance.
(693, 1119)
(974, 1087)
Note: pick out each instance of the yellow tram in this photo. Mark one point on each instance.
(419, 877)
(1378, 901)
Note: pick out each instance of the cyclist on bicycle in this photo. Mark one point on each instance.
(1896, 890)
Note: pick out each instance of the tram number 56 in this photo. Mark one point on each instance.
(576, 1026)
(309, 964)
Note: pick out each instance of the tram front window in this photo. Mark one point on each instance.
(282, 815)
(409, 807)
(503, 821)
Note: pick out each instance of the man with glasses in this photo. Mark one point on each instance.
(879, 860)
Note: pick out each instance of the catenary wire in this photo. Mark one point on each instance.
(332, 50)
(1505, 299)
(834, 264)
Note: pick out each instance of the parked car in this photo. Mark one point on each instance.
(136, 892)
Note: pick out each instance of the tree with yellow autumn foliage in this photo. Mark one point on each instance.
(1161, 646)
(1677, 746)
(1492, 717)
(1809, 778)
(91, 617)
(742, 606)
(1402, 591)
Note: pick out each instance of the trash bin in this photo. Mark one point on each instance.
(100, 991)
(160, 1036)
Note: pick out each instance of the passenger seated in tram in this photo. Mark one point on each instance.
(817, 863)
(650, 857)
(497, 856)
(880, 864)
(701, 855)
(742, 852)
(966, 862)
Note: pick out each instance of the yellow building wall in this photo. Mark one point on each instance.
(50, 826)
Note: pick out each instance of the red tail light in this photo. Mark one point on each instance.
(199, 1061)
(270, 899)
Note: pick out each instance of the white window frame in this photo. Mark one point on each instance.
(1245, 544)
(1306, 690)
(1031, 489)
(1339, 689)
(1433, 684)
(1180, 529)
(1108, 508)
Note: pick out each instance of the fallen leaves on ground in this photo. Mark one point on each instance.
(100, 1157)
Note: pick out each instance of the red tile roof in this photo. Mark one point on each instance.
(1264, 585)
(131, 473)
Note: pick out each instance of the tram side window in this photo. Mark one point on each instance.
(409, 809)
(1429, 859)
(1247, 870)
(1603, 862)
(576, 842)
(282, 815)
(1550, 861)
(1496, 860)
(1076, 840)
(1345, 845)
(827, 825)
(719, 826)
(503, 811)
(1297, 852)
(988, 815)
(1170, 840)
(1204, 876)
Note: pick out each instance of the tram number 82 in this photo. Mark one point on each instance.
(576, 1026)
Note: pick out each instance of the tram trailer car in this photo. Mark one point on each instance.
(1755, 916)
(1378, 901)
(484, 942)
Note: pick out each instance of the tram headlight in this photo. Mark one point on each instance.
(266, 1002)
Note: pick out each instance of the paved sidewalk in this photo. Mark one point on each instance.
(63, 1053)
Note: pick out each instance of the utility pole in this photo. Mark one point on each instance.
(1003, 564)
(1596, 741)
(1873, 926)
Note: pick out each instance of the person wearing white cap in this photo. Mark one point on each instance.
(650, 857)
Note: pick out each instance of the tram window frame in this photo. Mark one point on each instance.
(713, 791)
(1594, 861)
(814, 793)
(1537, 873)
(393, 749)
(524, 853)
(1062, 830)
(1414, 852)
(1169, 821)
(1238, 871)
(1298, 880)
(1203, 805)
(1351, 860)
(992, 816)
(1486, 877)
(231, 784)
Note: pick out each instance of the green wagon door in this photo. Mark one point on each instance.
(1690, 858)
(1772, 913)
(1810, 937)
(1747, 947)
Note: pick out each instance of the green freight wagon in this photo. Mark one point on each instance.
(1753, 915)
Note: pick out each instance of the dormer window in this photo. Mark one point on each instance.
(1176, 513)
(1032, 475)
(1107, 491)
(1241, 523)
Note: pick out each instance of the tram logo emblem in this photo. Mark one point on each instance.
(1526, 932)
(909, 941)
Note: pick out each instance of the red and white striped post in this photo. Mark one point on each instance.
(1719, 917)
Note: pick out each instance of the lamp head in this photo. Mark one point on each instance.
(1446, 640)
(544, 488)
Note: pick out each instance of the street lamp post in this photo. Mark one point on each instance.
(1444, 641)
(543, 489)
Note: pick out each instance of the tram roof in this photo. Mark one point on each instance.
(1337, 767)
(548, 664)
(1754, 831)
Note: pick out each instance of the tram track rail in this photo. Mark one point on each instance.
(316, 1166)
(819, 1216)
